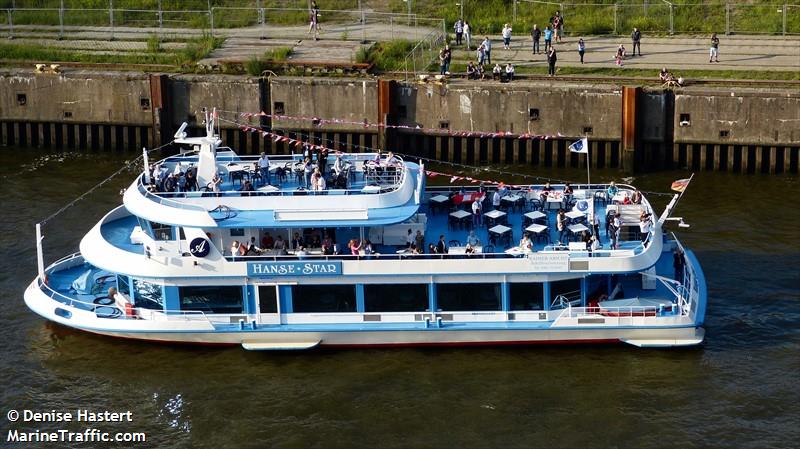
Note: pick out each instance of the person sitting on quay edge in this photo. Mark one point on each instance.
(509, 72)
(496, 72)
(472, 71)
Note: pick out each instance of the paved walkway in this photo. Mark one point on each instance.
(675, 53)
(339, 43)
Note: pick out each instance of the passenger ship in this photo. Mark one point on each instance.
(160, 268)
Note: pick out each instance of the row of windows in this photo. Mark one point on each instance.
(415, 297)
(342, 297)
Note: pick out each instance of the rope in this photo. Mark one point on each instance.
(100, 184)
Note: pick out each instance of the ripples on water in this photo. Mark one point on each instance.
(740, 389)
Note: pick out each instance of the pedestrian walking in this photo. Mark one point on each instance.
(313, 18)
(619, 55)
(557, 26)
(459, 29)
(536, 34)
(507, 37)
(548, 38)
(551, 61)
(714, 51)
(636, 38)
(467, 34)
(481, 55)
(581, 48)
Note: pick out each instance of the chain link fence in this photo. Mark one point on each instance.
(765, 17)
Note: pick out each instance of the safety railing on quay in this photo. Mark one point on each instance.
(765, 17)
(345, 24)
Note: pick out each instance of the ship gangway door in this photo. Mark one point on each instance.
(269, 308)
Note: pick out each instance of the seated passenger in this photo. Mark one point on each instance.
(280, 245)
(414, 249)
(469, 249)
(473, 239)
(252, 248)
(327, 245)
(612, 190)
(267, 241)
(297, 241)
(431, 249)
(367, 247)
(545, 192)
(235, 248)
(525, 244)
(355, 247)
(636, 198)
(568, 192)
(391, 160)
(247, 187)
(301, 252)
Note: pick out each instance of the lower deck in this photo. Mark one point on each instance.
(398, 303)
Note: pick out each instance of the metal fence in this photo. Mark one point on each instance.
(115, 17)
(424, 53)
(661, 16)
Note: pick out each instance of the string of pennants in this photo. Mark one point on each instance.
(429, 173)
(432, 174)
(327, 121)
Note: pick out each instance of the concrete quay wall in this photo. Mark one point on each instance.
(744, 130)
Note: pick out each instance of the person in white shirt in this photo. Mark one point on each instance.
(509, 72)
(467, 34)
(215, 183)
(477, 211)
(507, 37)
(409, 239)
(391, 160)
(644, 225)
(338, 165)
(263, 167)
(496, 199)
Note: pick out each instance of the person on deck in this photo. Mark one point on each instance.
(441, 246)
(561, 225)
(477, 211)
(267, 242)
(263, 167)
(612, 190)
(472, 239)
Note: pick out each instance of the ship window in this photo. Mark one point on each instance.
(526, 296)
(213, 299)
(147, 295)
(570, 289)
(161, 231)
(452, 297)
(123, 285)
(396, 297)
(267, 299)
(323, 298)
(237, 232)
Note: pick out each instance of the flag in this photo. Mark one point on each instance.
(580, 146)
(680, 185)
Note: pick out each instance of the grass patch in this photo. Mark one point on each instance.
(36, 53)
(198, 48)
(461, 68)
(387, 56)
(153, 43)
(278, 54)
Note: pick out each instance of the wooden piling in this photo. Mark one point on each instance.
(773, 156)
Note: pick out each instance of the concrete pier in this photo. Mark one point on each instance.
(634, 129)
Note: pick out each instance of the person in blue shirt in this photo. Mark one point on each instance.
(612, 190)
(548, 38)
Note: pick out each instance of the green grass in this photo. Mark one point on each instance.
(196, 49)
(461, 67)
(278, 54)
(387, 56)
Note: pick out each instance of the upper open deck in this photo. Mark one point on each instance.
(356, 190)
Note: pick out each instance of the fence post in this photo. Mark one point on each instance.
(616, 7)
(61, 21)
(211, 19)
(671, 19)
(727, 19)
(784, 18)
(10, 24)
(363, 27)
(111, 17)
(160, 19)
(514, 16)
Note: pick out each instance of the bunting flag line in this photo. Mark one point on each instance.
(318, 122)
